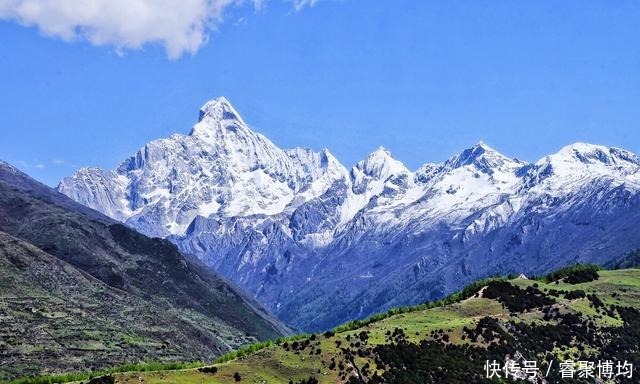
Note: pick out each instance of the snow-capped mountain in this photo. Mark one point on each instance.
(319, 244)
(220, 169)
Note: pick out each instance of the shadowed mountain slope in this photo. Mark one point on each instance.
(79, 290)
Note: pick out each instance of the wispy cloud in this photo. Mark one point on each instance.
(58, 162)
(299, 4)
(180, 26)
(37, 164)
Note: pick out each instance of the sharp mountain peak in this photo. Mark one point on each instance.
(218, 108)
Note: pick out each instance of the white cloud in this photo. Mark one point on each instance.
(299, 4)
(180, 26)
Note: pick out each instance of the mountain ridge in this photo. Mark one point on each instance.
(295, 227)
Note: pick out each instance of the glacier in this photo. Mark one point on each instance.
(320, 244)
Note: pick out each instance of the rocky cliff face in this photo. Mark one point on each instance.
(319, 244)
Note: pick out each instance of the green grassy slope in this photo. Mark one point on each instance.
(544, 320)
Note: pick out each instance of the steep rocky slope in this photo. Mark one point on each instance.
(79, 290)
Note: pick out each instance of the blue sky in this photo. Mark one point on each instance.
(424, 79)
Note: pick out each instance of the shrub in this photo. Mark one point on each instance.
(574, 274)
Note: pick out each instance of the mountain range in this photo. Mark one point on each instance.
(80, 291)
(319, 244)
